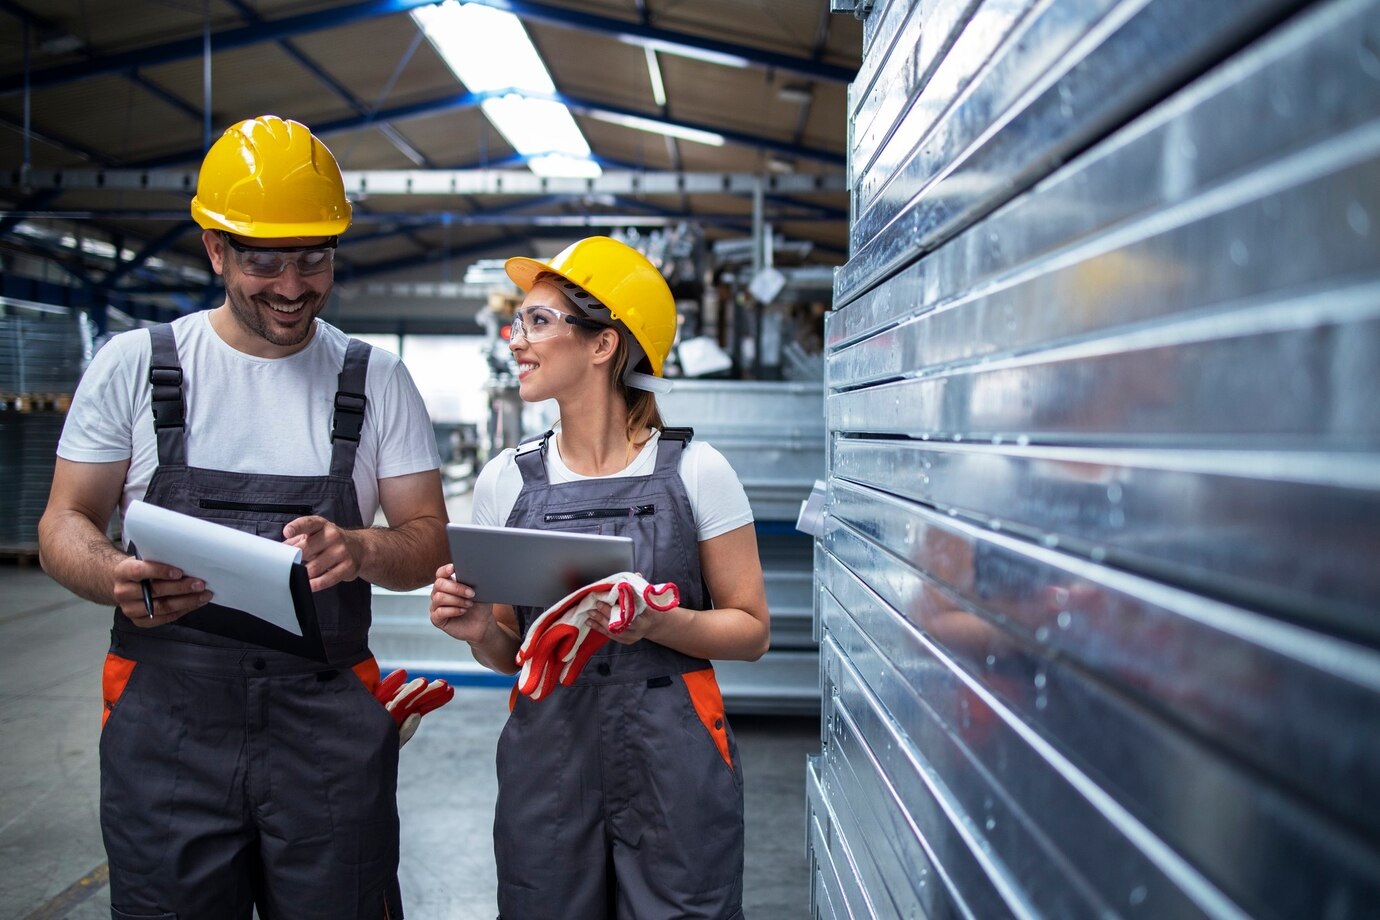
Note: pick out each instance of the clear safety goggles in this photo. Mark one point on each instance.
(272, 262)
(537, 323)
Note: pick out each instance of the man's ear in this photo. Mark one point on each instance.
(215, 249)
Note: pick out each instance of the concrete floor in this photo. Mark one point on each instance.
(52, 861)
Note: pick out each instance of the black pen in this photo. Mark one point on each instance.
(145, 585)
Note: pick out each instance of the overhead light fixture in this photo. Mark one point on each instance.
(659, 127)
(799, 93)
(564, 166)
(60, 43)
(654, 72)
(489, 51)
(780, 164)
(687, 51)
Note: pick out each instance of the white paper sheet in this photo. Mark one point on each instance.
(242, 570)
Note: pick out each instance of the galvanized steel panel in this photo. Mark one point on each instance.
(925, 37)
(1225, 523)
(971, 169)
(1001, 48)
(1095, 591)
(1206, 383)
(1016, 796)
(1298, 90)
(1137, 274)
(1095, 661)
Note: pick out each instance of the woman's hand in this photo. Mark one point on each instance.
(453, 610)
(645, 625)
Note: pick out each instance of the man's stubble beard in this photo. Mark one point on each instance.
(247, 311)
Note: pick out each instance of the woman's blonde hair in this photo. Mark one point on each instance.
(643, 412)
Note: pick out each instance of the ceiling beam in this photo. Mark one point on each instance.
(633, 31)
(443, 182)
(465, 100)
(407, 221)
(320, 20)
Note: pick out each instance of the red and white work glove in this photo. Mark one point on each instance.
(408, 700)
(562, 640)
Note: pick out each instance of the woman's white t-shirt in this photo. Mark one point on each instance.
(717, 499)
(248, 414)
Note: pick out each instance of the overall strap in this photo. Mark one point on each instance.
(530, 457)
(667, 460)
(349, 409)
(169, 403)
(668, 464)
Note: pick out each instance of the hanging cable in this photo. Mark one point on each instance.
(25, 166)
(206, 74)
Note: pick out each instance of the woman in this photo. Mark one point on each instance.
(620, 795)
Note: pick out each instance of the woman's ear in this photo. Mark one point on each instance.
(605, 346)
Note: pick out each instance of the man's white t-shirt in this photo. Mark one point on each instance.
(248, 414)
(716, 496)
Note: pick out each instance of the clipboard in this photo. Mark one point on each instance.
(267, 593)
(532, 568)
(245, 627)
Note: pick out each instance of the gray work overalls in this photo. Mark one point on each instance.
(621, 796)
(232, 773)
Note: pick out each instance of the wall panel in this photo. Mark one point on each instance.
(1095, 592)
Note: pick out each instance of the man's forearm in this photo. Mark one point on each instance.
(78, 556)
(404, 557)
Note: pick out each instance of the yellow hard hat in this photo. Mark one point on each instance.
(623, 282)
(270, 178)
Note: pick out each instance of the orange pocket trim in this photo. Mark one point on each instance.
(368, 673)
(114, 678)
(709, 706)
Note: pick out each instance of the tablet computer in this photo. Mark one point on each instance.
(535, 568)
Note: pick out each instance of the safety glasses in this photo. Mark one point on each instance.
(272, 262)
(537, 323)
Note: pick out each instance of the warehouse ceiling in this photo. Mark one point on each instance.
(108, 105)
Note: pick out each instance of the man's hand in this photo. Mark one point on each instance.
(174, 594)
(331, 554)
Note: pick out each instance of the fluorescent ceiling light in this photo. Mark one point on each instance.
(535, 126)
(689, 51)
(564, 166)
(654, 71)
(660, 127)
(489, 51)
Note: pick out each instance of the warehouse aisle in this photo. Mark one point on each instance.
(52, 861)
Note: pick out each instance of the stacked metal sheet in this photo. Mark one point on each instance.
(39, 354)
(1097, 593)
(28, 445)
(772, 433)
(40, 364)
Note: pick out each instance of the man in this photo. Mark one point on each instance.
(234, 775)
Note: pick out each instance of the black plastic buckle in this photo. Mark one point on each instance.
(165, 376)
(349, 415)
(168, 411)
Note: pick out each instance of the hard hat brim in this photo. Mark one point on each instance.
(207, 219)
(524, 271)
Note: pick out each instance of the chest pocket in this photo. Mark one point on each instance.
(635, 519)
(264, 519)
(594, 519)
